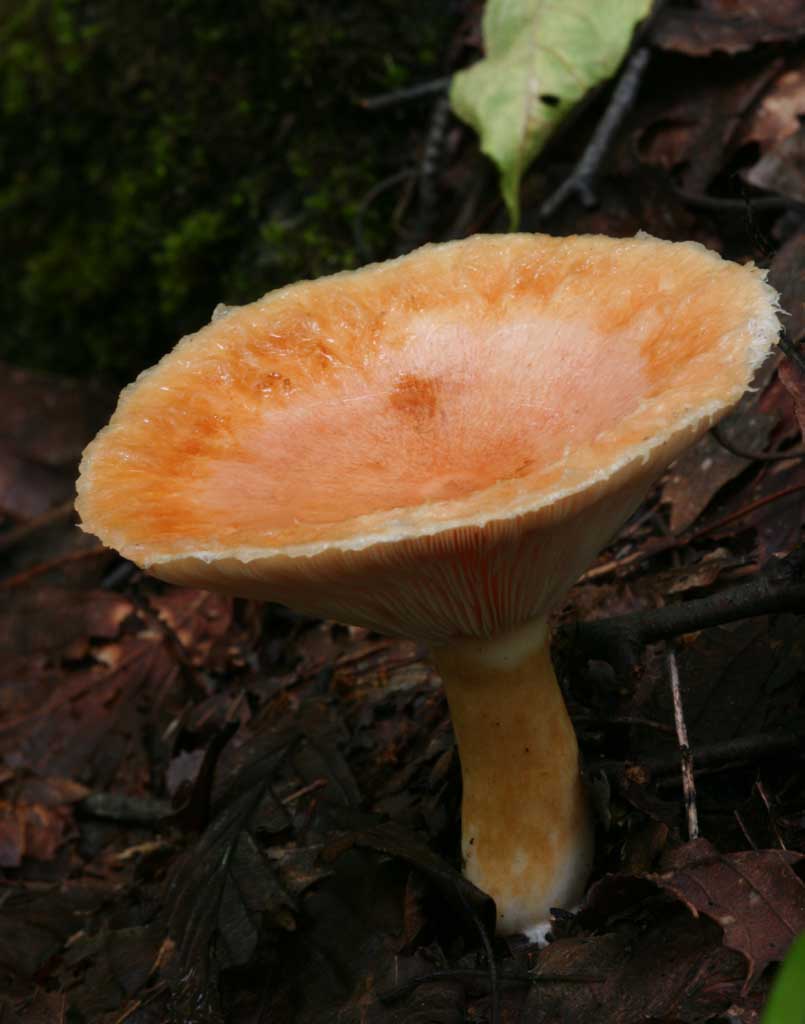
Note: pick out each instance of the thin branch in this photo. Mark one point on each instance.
(376, 190)
(411, 92)
(778, 587)
(688, 785)
(712, 756)
(581, 181)
(793, 351)
(491, 963)
(426, 177)
(661, 544)
(57, 514)
(767, 804)
(519, 978)
(194, 815)
(753, 506)
(720, 204)
(24, 577)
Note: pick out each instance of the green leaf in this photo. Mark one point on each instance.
(786, 1002)
(542, 57)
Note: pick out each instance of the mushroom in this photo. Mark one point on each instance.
(438, 446)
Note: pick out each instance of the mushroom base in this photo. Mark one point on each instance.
(527, 833)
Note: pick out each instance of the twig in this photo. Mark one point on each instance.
(766, 803)
(720, 204)
(737, 815)
(27, 575)
(713, 756)
(119, 575)
(662, 544)
(411, 92)
(581, 180)
(491, 963)
(428, 169)
(753, 506)
(688, 785)
(360, 213)
(793, 352)
(635, 720)
(57, 514)
(194, 815)
(778, 587)
(297, 794)
(158, 990)
(506, 978)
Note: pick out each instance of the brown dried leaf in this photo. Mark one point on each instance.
(728, 26)
(27, 488)
(34, 927)
(696, 477)
(49, 419)
(46, 619)
(202, 623)
(782, 168)
(114, 966)
(777, 522)
(655, 963)
(787, 275)
(229, 894)
(755, 896)
(30, 830)
(793, 380)
(778, 113)
(92, 723)
(739, 679)
(42, 1008)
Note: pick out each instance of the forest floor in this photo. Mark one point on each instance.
(214, 810)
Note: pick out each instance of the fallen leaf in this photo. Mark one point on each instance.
(49, 419)
(736, 680)
(793, 380)
(787, 275)
(778, 518)
(653, 963)
(465, 899)
(91, 723)
(36, 925)
(755, 896)
(30, 830)
(46, 619)
(698, 475)
(42, 1008)
(778, 113)
(727, 26)
(541, 59)
(28, 489)
(782, 168)
(695, 136)
(227, 895)
(114, 965)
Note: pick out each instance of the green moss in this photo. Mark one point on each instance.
(161, 158)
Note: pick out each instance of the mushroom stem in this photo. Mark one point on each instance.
(527, 834)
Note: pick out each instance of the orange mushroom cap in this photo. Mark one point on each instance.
(433, 446)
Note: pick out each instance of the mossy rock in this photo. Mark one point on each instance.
(165, 157)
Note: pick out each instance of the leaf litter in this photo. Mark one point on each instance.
(216, 811)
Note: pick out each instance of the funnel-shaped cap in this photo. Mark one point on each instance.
(433, 446)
